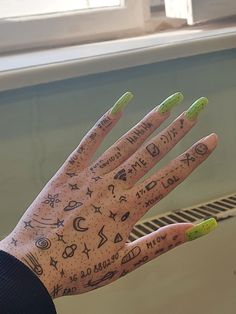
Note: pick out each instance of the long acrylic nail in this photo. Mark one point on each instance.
(122, 102)
(194, 110)
(170, 102)
(201, 229)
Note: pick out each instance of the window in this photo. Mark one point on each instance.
(27, 24)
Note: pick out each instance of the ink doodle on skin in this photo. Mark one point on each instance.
(43, 243)
(89, 192)
(72, 205)
(97, 209)
(86, 250)
(112, 215)
(51, 200)
(153, 150)
(201, 149)
(33, 264)
(131, 255)
(69, 251)
(102, 236)
(121, 175)
(77, 224)
(138, 132)
(188, 159)
(118, 238)
(53, 262)
(125, 216)
(106, 277)
(60, 238)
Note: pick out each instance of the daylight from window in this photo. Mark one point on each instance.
(16, 8)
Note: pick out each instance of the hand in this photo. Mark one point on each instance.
(74, 235)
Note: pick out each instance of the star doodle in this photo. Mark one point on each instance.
(86, 250)
(97, 209)
(96, 178)
(53, 262)
(89, 192)
(14, 241)
(60, 238)
(62, 273)
(71, 174)
(74, 186)
(28, 224)
(51, 200)
(112, 215)
(59, 223)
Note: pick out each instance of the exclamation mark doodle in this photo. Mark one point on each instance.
(181, 123)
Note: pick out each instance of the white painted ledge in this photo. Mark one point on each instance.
(45, 66)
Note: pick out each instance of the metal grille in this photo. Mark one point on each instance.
(220, 209)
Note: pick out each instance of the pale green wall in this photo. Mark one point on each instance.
(40, 125)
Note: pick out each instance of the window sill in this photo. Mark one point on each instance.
(32, 68)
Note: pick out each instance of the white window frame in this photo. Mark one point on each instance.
(75, 27)
(195, 11)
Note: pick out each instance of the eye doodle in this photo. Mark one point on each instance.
(43, 243)
(103, 237)
(72, 205)
(51, 200)
(106, 277)
(118, 238)
(69, 251)
(131, 255)
(76, 224)
(125, 216)
(33, 264)
(201, 149)
(121, 175)
(153, 150)
(86, 250)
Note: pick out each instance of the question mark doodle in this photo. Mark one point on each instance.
(111, 188)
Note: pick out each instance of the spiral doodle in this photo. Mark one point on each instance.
(43, 243)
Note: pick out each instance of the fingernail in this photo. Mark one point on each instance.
(201, 229)
(122, 102)
(170, 102)
(194, 110)
(211, 140)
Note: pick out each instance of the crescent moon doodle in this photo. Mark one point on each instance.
(76, 224)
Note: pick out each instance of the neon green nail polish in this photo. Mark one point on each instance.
(201, 229)
(170, 102)
(122, 102)
(194, 110)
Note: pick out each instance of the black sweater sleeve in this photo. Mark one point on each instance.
(21, 291)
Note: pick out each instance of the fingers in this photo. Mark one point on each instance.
(153, 189)
(153, 151)
(131, 141)
(81, 156)
(149, 247)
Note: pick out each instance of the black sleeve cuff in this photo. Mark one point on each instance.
(21, 291)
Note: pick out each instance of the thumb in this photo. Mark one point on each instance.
(164, 239)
